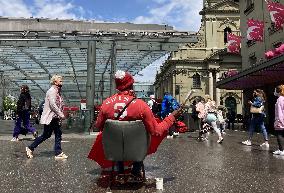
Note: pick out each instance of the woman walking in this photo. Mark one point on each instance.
(23, 115)
(51, 118)
(279, 119)
(257, 118)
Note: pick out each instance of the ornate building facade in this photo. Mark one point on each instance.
(199, 66)
(259, 71)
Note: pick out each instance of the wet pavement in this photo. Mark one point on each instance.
(185, 164)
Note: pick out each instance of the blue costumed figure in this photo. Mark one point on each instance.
(169, 104)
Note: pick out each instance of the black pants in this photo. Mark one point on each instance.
(47, 132)
(280, 139)
(136, 169)
(231, 123)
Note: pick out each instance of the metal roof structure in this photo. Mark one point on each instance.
(31, 57)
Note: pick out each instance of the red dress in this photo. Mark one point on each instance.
(137, 110)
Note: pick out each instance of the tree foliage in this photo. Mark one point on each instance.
(9, 103)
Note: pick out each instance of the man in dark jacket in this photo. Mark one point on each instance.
(23, 114)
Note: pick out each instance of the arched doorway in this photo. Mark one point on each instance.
(227, 31)
(231, 104)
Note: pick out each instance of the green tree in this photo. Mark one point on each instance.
(9, 103)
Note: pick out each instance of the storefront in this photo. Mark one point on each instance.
(265, 76)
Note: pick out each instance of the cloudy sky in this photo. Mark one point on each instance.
(181, 14)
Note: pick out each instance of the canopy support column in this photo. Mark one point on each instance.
(113, 69)
(90, 86)
(2, 93)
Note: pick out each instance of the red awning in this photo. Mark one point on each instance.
(266, 73)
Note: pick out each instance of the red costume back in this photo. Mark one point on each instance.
(137, 110)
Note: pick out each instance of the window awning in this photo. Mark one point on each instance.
(266, 73)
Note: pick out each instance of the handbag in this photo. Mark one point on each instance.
(256, 109)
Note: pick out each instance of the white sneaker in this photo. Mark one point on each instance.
(15, 139)
(29, 153)
(265, 145)
(247, 142)
(170, 137)
(220, 140)
(176, 133)
(278, 152)
(61, 156)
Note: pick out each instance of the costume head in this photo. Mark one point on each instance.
(123, 80)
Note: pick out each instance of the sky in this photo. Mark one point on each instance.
(183, 15)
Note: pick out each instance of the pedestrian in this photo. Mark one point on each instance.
(279, 119)
(200, 110)
(137, 109)
(194, 115)
(231, 118)
(51, 118)
(151, 102)
(40, 108)
(257, 117)
(23, 112)
(211, 116)
(221, 112)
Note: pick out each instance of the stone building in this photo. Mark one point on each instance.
(258, 71)
(199, 66)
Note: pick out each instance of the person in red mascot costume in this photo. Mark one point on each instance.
(137, 110)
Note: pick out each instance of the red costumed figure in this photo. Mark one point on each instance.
(137, 110)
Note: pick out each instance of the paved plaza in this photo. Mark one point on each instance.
(185, 164)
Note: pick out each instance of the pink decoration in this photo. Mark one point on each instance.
(234, 43)
(269, 54)
(276, 11)
(255, 30)
(281, 49)
(232, 72)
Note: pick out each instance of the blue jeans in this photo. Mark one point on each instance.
(257, 120)
(47, 132)
(25, 117)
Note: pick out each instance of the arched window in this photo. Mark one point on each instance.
(196, 82)
(227, 30)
